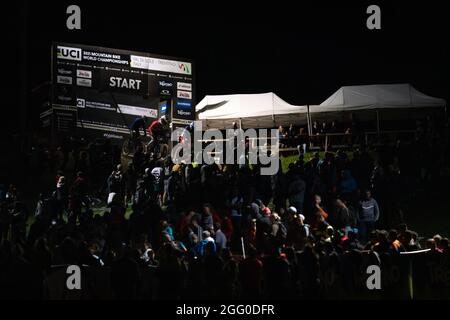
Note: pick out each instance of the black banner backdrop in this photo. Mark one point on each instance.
(414, 275)
(102, 90)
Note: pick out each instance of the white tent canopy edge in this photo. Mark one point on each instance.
(378, 96)
(263, 110)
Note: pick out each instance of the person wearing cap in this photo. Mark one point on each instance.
(157, 183)
(298, 232)
(291, 215)
(263, 224)
(329, 234)
(278, 231)
(263, 209)
(157, 130)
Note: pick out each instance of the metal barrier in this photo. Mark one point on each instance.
(334, 141)
(370, 138)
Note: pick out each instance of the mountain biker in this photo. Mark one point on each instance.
(157, 130)
(138, 123)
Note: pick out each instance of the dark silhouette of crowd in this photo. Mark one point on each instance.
(193, 231)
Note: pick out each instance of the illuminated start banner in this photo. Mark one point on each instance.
(105, 89)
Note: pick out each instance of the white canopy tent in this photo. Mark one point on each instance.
(378, 96)
(264, 110)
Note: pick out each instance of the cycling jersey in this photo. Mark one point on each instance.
(156, 128)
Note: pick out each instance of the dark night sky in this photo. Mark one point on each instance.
(301, 52)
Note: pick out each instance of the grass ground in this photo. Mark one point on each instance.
(425, 213)
(290, 158)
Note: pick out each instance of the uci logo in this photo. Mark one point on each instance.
(68, 53)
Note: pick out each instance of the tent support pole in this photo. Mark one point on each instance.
(308, 119)
(378, 123)
(308, 123)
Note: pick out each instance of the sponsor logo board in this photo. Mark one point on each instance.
(64, 71)
(184, 86)
(183, 104)
(137, 111)
(64, 80)
(184, 94)
(165, 84)
(172, 66)
(84, 82)
(84, 74)
(64, 98)
(165, 92)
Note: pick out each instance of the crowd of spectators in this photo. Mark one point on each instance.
(214, 231)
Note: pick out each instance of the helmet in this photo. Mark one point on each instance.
(163, 120)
